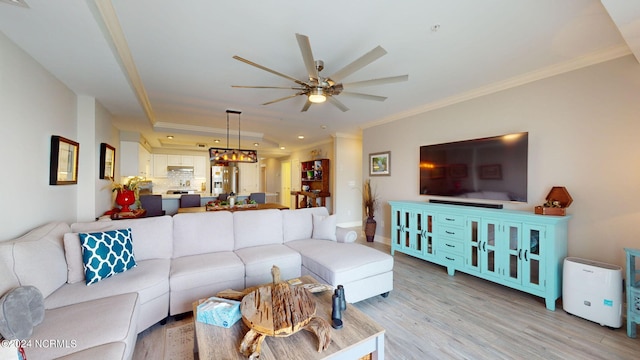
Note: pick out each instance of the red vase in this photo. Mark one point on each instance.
(124, 198)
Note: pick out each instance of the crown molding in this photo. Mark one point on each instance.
(115, 36)
(543, 73)
(202, 130)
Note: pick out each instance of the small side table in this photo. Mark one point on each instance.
(633, 292)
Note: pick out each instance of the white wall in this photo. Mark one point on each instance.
(347, 179)
(583, 134)
(107, 133)
(33, 106)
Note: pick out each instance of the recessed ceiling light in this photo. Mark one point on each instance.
(216, 141)
(256, 144)
(170, 137)
(300, 137)
(282, 148)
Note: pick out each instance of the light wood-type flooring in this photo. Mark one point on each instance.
(430, 315)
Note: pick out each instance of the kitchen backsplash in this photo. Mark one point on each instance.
(177, 180)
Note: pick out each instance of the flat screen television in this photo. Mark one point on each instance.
(493, 168)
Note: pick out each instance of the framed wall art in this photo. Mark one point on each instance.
(63, 168)
(458, 171)
(107, 161)
(380, 164)
(490, 172)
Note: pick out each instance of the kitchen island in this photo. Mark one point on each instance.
(171, 202)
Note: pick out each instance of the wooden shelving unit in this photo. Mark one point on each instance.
(315, 174)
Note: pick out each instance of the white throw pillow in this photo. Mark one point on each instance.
(324, 227)
(73, 254)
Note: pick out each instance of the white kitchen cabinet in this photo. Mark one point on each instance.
(135, 160)
(160, 163)
(249, 178)
(179, 160)
(200, 167)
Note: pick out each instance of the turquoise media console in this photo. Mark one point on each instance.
(518, 249)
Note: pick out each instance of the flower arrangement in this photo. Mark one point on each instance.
(131, 185)
(370, 199)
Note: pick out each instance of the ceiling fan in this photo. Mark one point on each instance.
(318, 88)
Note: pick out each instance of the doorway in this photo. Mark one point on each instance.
(285, 183)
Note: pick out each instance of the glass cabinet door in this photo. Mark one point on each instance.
(488, 245)
(514, 254)
(472, 249)
(424, 237)
(533, 256)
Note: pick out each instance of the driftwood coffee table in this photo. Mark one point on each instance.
(359, 337)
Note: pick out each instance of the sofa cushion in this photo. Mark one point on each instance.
(150, 279)
(201, 276)
(200, 233)
(298, 224)
(8, 279)
(114, 350)
(341, 263)
(86, 325)
(37, 258)
(324, 227)
(197, 270)
(106, 254)
(257, 227)
(259, 260)
(152, 236)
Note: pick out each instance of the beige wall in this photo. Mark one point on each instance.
(583, 134)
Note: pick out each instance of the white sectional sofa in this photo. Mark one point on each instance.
(179, 259)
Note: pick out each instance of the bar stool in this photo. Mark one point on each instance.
(633, 292)
(152, 204)
(190, 200)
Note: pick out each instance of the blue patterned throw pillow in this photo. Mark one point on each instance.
(106, 253)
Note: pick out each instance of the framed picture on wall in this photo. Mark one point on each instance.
(63, 169)
(380, 164)
(107, 161)
(490, 172)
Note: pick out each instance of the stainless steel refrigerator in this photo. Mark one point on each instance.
(224, 179)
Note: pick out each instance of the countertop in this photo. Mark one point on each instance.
(203, 195)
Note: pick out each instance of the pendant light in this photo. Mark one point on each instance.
(227, 155)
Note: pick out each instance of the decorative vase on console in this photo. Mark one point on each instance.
(125, 198)
(370, 204)
(127, 193)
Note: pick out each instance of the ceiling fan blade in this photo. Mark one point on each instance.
(358, 64)
(306, 105)
(269, 70)
(337, 103)
(268, 87)
(364, 96)
(373, 82)
(307, 56)
(284, 98)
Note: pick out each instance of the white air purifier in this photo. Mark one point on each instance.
(593, 290)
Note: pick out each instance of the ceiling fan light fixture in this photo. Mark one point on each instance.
(317, 96)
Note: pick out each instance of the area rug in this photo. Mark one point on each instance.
(178, 344)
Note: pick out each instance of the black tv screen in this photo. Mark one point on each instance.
(493, 168)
